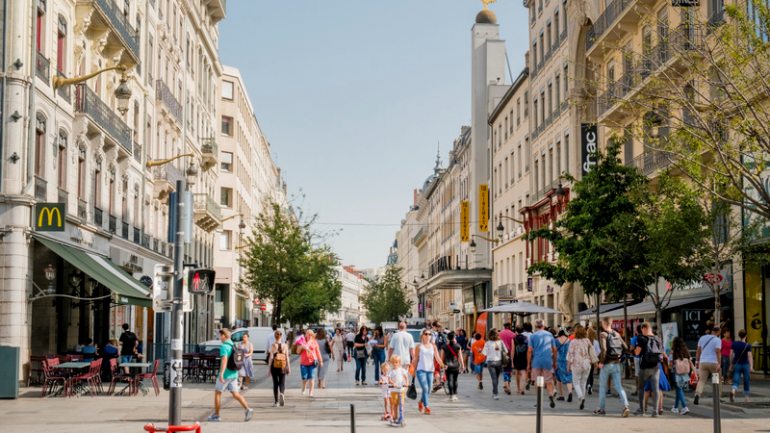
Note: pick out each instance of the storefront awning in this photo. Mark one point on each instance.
(604, 308)
(647, 308)
(522, 308)
(128, 289)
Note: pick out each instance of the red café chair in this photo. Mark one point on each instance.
(153, 376)
(35, 371)
(117, 375)
(88, 377)
(51, 380)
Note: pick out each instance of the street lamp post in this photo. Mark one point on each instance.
(177, 314)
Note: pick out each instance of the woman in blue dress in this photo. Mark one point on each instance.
(663, 385)
(563, 376)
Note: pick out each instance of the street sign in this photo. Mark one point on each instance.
(713, 278)
(263, 307)
(465, 221)
(484, 208)
(49, 217)
(201, 281)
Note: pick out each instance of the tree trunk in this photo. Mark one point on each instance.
(626, 335)
(717, 306)
(277, 312)
(598, 303)
(658, 311)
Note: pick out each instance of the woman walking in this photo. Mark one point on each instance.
(727, 344)
(424, 355)
(309, 355)
(452, 356)
(563, 376)
(247, 371)
(378, 343)
(338, 348)
(325, 347)
(278, 368)
(359, 349)
(598, 350)
(494, 349)
(579, 362)
(520, 359)
(463, 343)
(681, 366)
(743, 364)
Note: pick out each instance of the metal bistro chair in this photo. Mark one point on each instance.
(37, 372)
(153, 376)
(190, 365)
(117, 375)
(89, 377)
(51, 380)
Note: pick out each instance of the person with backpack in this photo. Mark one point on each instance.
(743, 364)
(707, 360)
(520, 350)
(452, 356)
(232, 361)
(650, 349)
(612, 347)
(681, 365)
(279, 368)
(496, 355)
(507, 336)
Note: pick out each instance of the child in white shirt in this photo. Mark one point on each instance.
(398, 378)
(385, 383)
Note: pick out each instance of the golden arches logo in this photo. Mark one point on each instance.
(50, 212)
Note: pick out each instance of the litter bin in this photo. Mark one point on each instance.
(9, 365)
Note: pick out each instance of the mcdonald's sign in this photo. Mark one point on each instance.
(49, 217)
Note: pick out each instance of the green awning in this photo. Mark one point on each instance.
(128, 289)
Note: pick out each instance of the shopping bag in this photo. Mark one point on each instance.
(411, 393)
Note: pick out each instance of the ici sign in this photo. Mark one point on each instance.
(588, 146)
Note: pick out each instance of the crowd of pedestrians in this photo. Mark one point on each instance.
(566, 359)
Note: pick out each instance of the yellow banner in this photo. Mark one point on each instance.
(483, 208)
(465, 221)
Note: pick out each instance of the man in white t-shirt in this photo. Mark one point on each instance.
(349, 340)
(402, 344)
(707, 360)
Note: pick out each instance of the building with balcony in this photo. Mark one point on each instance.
(248, 180)
(351, 314)
(510, 193)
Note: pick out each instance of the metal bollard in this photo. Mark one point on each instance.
(539, 421)
(717, 408)
(352, 418)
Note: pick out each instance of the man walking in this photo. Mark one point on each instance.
(707, 360)
(612, 348)
(507, 336)
(350, 342)
(402, 344)
(541, 357)
(128, 342)
(228, 377)
(650, 351)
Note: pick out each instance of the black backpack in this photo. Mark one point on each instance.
(521, 347)
(614, 346)
(652, 353)
(235, 360)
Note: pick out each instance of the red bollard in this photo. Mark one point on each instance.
(173, 428)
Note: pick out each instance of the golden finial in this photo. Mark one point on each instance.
(487, 2)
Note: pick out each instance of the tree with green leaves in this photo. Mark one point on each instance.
(581, 236)
(385, 299)
(663, 241)
(287, 264)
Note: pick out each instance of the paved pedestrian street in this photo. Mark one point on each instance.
(475, 411)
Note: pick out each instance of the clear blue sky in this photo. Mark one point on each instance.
(354, 97)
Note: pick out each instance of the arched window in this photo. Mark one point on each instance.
(61, 163)
(40, 127)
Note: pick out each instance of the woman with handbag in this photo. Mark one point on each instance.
(424, 355)
(496, 355)
(452, 355)
(681, 366)
(580, 358)
(360, 342)
(338, 349)
(309, 361)
(325, 347)
(378, 343)
(278, 368)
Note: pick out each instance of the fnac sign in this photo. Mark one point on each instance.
(49, 217)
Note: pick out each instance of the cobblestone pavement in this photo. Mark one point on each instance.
(475, 411)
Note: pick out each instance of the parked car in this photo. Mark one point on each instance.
(257, 337)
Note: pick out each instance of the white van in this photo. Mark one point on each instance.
(257, 337)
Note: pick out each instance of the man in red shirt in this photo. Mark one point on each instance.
(507, 336)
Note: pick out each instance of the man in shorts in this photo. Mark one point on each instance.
(228, 379)
(541, 357)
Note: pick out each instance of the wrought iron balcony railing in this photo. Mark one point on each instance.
(164, 94)
(121, 23)
(87, 102)
(43, 67)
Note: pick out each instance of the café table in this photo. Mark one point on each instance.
(134, 369)
(70, 367)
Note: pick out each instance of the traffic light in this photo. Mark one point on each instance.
(200, 281)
